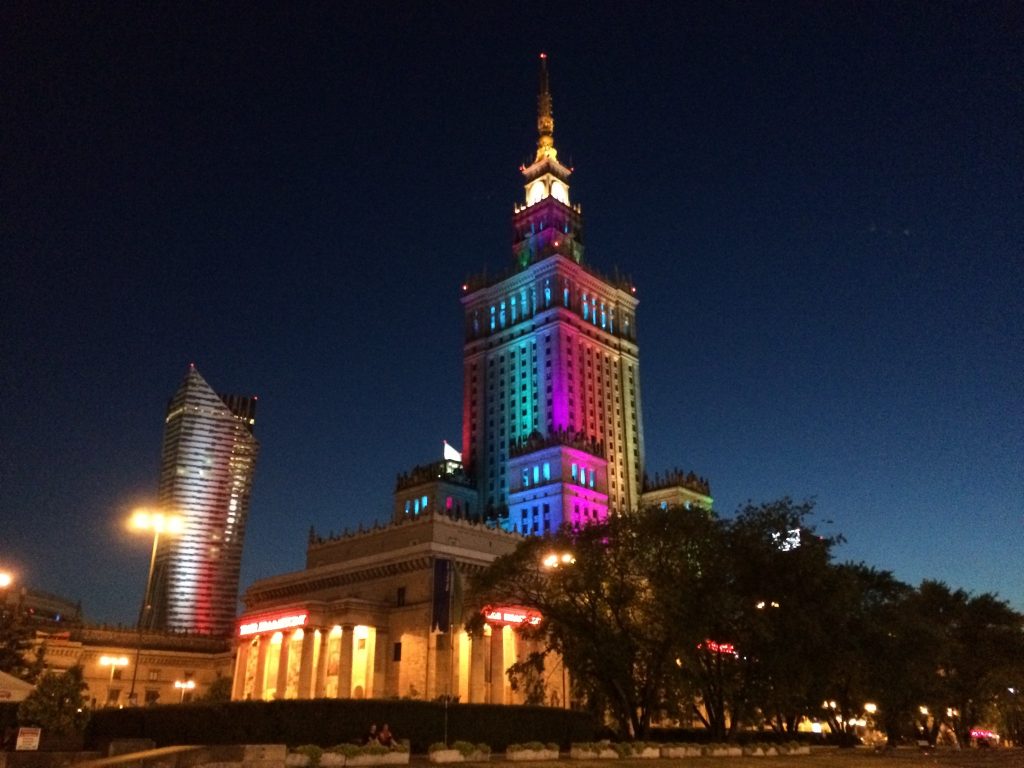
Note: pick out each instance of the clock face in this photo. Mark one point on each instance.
(536, 192)
(560, 192)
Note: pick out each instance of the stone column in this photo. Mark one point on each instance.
(497, 687)
(381, 659)
(281, 686)
(345, 663)
(477, 661)
(321, 664)
(306, 664)
(241, 663)
(261, 668)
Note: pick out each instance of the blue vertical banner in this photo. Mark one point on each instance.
(446, 609)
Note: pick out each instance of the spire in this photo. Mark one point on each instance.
(545, 122)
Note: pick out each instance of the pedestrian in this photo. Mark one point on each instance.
(384, 737)
(371, 735)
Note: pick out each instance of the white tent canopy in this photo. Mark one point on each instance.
(13, 688)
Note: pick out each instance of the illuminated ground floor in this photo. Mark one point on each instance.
(381, 614)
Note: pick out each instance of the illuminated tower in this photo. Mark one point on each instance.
(551, 365)
(207, 463)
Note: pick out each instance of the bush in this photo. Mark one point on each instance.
(313, 752)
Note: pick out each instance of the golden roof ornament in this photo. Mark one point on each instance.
(545, 122)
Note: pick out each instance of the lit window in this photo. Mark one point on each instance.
(574, 471)
(536, 475)
(547, 470)
(424, 503)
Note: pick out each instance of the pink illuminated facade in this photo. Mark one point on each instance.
(551, 349)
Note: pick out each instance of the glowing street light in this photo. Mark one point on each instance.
(558, 559)
(6, 579)
(158, 523)
(184, 685)
(870, 708)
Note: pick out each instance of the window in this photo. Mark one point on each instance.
(152, 696)
(396, 652)
(547, 470)
(400, 597)
(154, 675)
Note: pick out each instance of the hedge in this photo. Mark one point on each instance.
(327, 722)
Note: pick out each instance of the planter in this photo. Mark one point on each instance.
(588, 754)
(725, 752)
(803, 749)
(295, 760)
(395, 758)
(525, 755)
(648, 753)
(678, 752)
(446, 756)
(332, 760)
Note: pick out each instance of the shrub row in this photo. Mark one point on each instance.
(326, 722)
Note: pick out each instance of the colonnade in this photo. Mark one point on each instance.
(356, 661)
(308, 662)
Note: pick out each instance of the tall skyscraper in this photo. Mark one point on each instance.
(209, 454)
(552, 429)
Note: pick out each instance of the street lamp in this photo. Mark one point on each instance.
(558, 559)
(184, 685)
(157, 523)
(114, 662)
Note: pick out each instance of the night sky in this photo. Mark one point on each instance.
(820, 204)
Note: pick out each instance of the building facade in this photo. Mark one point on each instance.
(207, 463)
(382, 613)
(124, 666)
(551, 348)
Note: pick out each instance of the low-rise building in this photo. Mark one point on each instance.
(381, 613)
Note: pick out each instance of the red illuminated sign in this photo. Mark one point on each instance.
(510, 614)
(714, 647)
(272, 624)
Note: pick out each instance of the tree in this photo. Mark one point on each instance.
(219, 691)
(622, 611)
(15, 647)
(978, 655)
(57, 704)
(765, 584)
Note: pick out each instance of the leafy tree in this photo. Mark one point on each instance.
(978, 654)
(858, 597)
(622, 612)
(219, 691)
(57, 704)
(15, 647)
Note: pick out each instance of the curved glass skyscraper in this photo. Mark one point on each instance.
(209, 454)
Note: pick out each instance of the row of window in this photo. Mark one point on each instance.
(524, 303)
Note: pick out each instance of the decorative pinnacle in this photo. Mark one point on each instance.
(545, 122)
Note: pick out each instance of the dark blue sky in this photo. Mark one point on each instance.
(820, 204)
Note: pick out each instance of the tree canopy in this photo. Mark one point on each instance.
(749, 621)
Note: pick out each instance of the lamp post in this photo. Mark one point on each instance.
(114, 662)
(157, 523)
(184, 685)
